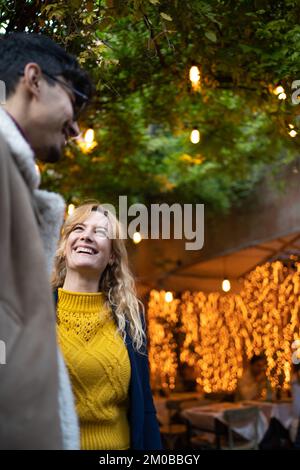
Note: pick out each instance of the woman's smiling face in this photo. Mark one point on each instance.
(89, 246)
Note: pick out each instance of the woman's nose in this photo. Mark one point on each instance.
(86, 235)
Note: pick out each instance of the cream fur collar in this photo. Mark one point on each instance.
(50, 206)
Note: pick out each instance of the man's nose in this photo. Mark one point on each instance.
(73, 129)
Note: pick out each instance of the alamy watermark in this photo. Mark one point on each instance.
(2, 352)
(162, 221)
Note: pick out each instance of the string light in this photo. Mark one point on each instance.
(226, 286)
(87, 142)
(279, 89)
(282, 96)
(162, 320)
(194, 75)
(137, 237)
(293, 133)
(168, 296)
(89, 136)
(219, 330)
(195, 136)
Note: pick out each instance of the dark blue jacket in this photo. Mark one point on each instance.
(144, 429)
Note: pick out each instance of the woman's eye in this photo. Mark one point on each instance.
(77, 229)
(101, 232)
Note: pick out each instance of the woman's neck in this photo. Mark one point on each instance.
(75, 282)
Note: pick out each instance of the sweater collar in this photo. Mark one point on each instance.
(81, 302)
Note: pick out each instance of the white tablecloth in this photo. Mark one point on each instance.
(282, 411)
(204, 418)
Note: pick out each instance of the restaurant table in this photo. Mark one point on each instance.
(164, 414)
(281, 410)
(211, 418)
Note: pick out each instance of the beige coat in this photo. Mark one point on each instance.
(29, 224)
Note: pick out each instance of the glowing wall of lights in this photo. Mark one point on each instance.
(271, 297)
(220, 331)
(162, 318)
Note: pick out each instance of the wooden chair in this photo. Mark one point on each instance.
(201, 438)
(172, 433)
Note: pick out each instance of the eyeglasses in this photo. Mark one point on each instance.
(81, 99)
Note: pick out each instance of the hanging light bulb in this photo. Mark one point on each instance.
(291, 126)
(282, 96)
(195, 77)
(87, 142)
(89, 136)
(226, 286)
(195, 136)
(168, 296)
(137, 238)
(279, 89)
(293, 133)
(71, 209)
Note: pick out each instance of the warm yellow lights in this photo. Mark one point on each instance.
(293, 133)
(137, 237)
(282, 96)
(71, 209)
(195, 136)
(89, 136)
(162, 319)
(87, 142)
(168, 296)
(226, 286)
(218, 331)
(194, 75)
(278, 90)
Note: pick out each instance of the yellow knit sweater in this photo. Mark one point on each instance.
(99, 368)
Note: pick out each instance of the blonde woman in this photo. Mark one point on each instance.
(101, 333)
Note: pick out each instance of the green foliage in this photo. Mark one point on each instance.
(139, 53)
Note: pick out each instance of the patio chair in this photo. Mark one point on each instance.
(173, 434)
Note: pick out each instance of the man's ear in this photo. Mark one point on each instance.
(32, 78)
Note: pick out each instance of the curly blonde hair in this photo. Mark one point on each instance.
(117, 282)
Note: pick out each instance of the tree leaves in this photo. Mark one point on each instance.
(165, 16)
(144, 108)
(211, 35)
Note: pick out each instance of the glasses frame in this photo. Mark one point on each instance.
(78, 108)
